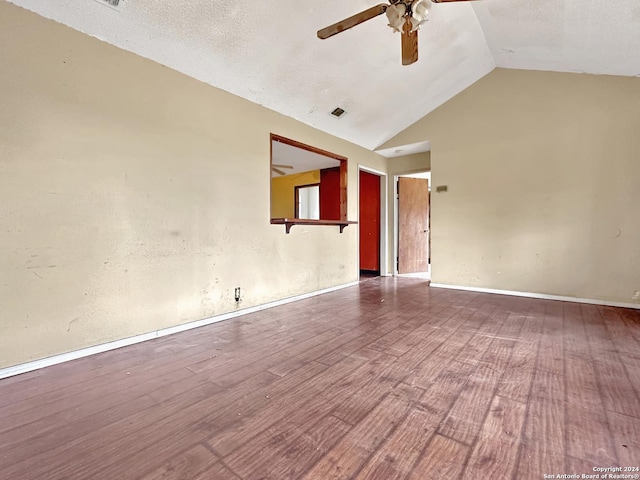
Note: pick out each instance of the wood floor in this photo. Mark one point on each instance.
(386, 380)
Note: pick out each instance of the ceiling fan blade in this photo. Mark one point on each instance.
(356, 19)
(278, 171)
(282, 166)
(409, 44)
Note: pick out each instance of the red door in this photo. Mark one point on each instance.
(369, 221)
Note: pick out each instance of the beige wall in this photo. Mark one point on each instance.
(133, 198)
(543, 171)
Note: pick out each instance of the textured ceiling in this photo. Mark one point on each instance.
(268, 53)
(582, 36)
(300, 160)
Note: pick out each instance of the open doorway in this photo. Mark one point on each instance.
(413, 232)
(372, 223)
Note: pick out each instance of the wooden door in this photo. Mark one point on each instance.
(369, 222)
(413, 225)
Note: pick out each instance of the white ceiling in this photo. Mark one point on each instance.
(268, 53)
(409, 149)
(301, 160)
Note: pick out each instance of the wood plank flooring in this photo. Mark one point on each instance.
(386, 380)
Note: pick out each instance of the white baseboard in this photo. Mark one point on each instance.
(538, 295)
(85, 352)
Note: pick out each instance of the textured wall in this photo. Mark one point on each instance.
(134, 198)
(543, 171)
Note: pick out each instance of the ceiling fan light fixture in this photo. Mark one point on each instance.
(415, 25)
(395, 14)
(420, 9)
(419, 13)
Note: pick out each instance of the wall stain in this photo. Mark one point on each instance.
(54, 193)
(71, 323)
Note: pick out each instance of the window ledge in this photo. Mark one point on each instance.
(290, 222)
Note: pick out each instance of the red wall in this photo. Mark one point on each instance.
(330, 194)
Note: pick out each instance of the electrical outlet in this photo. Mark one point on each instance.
(237, 294)
(636, 295)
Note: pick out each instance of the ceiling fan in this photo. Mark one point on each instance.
(278, 168)
(405, 16)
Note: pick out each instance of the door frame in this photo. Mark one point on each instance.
(396, 225)
(384, 255)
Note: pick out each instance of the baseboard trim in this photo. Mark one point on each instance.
(103, 347)
(538, 295)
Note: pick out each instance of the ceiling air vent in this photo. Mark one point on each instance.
(110, 3)
(338, 112)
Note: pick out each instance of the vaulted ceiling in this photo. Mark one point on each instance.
(268, 52)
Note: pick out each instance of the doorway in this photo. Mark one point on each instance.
(372, 222)
(369, 221)
(413, 232)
